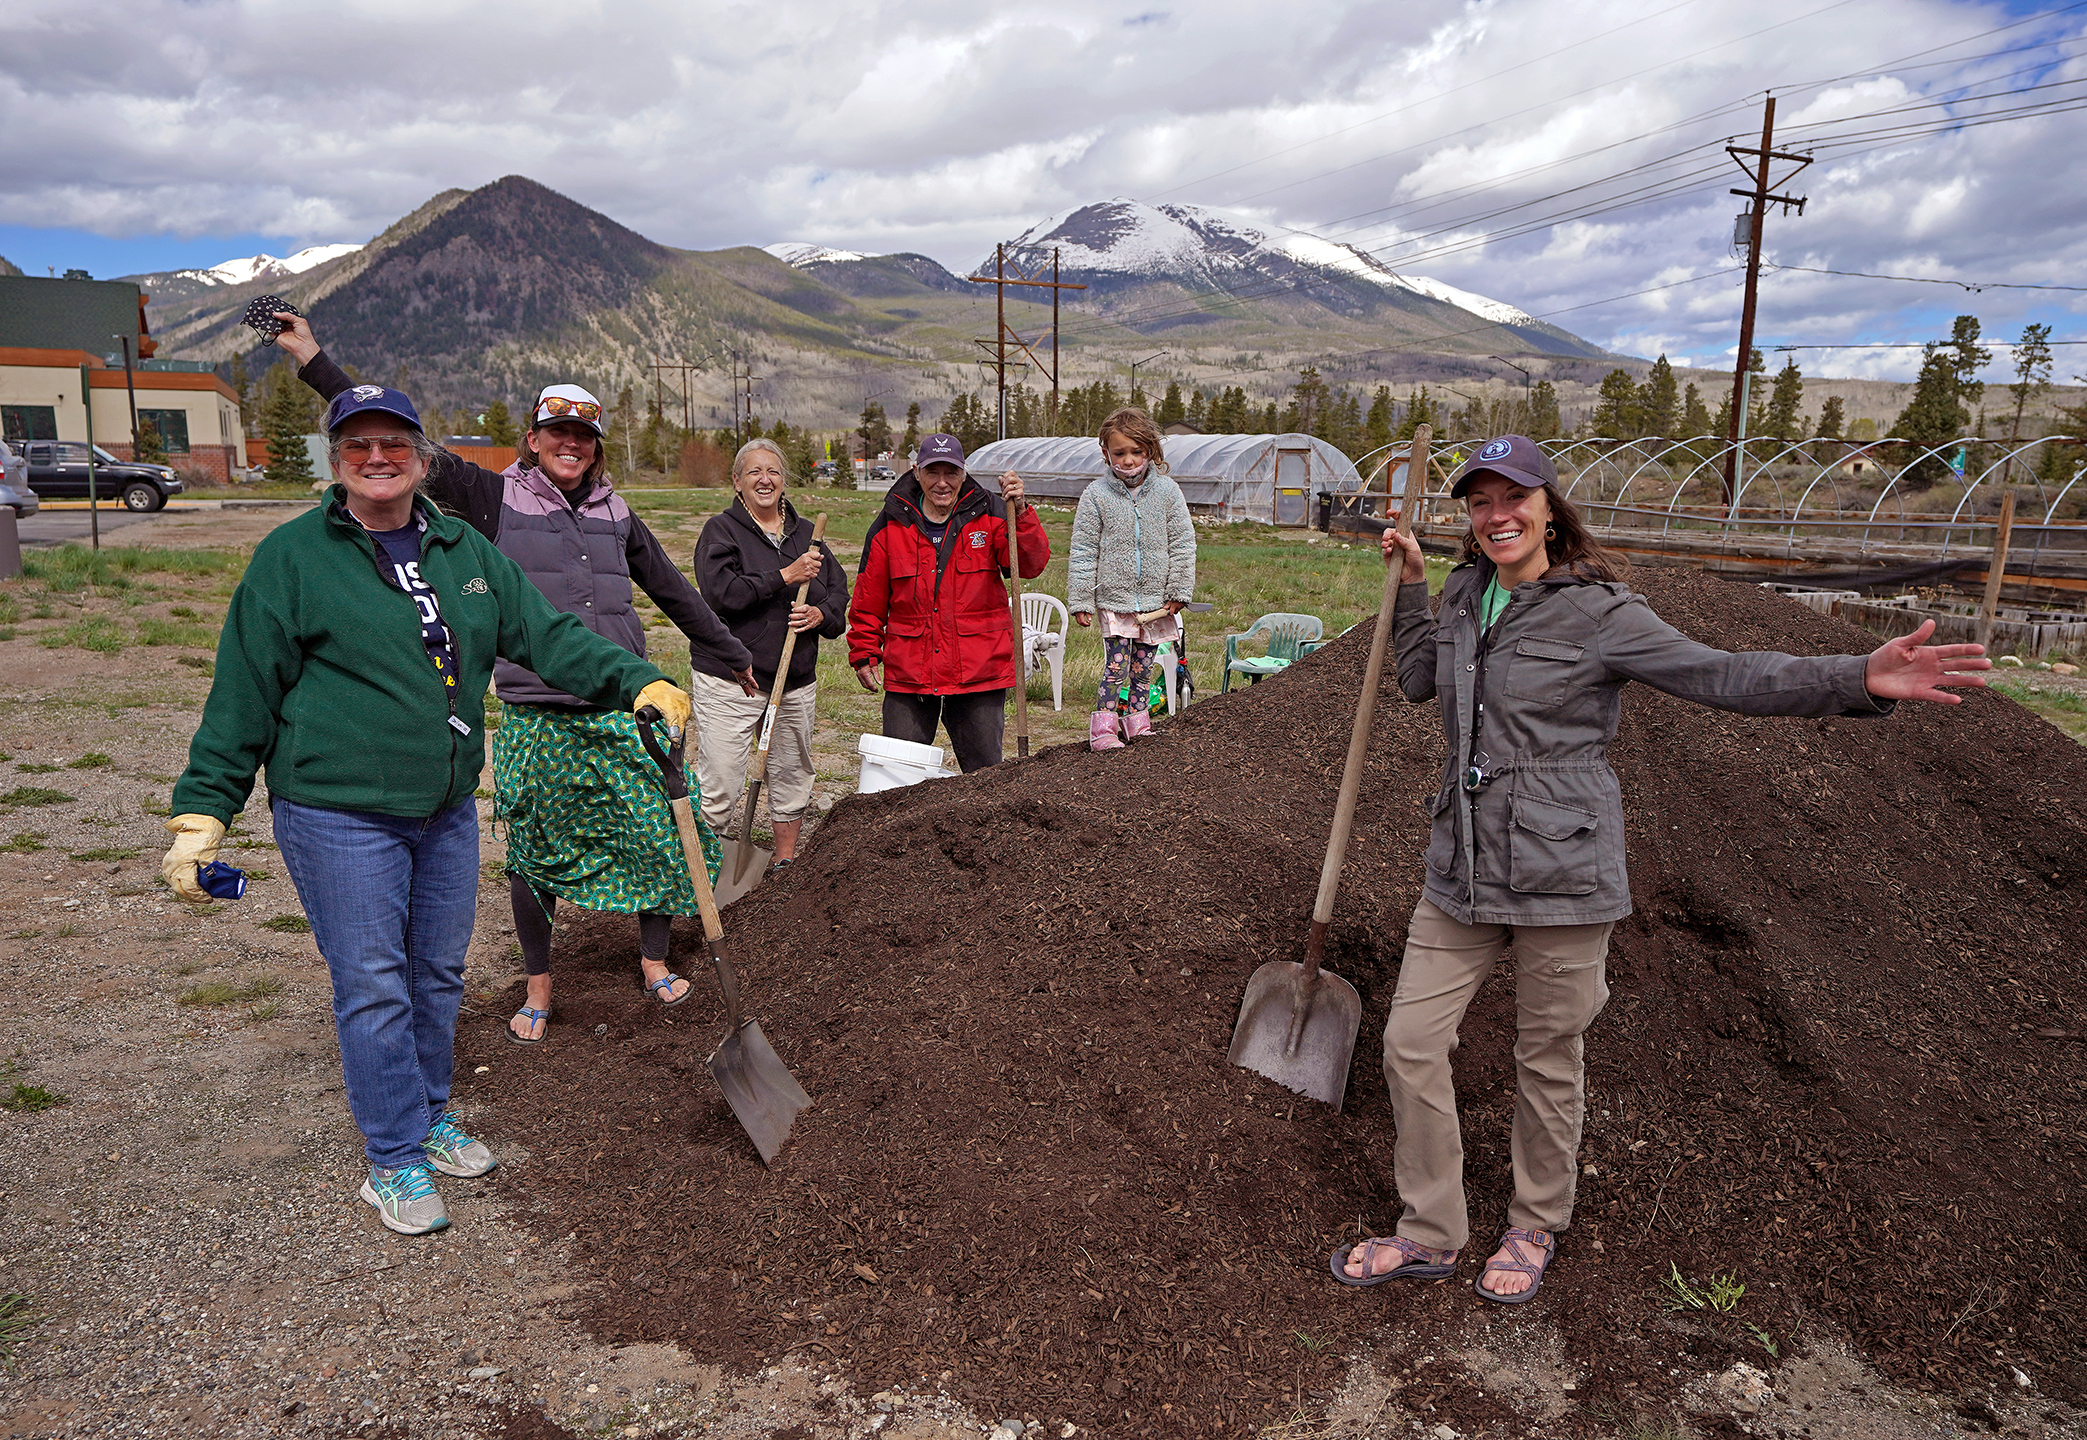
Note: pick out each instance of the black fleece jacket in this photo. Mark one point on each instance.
(741, 574)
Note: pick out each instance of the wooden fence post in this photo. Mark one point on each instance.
(1996, 568)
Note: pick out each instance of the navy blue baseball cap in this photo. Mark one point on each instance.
(1511, 457)
(359, 398)
(940, 450)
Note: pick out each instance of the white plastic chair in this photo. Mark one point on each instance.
(1042, 642)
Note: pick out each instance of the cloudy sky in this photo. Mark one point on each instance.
(1558, 154)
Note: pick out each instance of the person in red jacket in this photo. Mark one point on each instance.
(929, 621)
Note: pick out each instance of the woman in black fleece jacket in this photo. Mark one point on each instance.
(750, 561)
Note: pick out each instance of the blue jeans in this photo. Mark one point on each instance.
(391, 902)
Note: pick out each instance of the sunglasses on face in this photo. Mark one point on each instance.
(553, 406)
(383, 447)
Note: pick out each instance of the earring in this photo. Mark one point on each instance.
(1550, 532)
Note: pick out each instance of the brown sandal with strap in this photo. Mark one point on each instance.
(1513, 1240)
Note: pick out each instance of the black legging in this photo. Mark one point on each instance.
(533, 911)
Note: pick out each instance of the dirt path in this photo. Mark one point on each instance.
(185, 1228)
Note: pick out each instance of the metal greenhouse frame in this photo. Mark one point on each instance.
(1275, 479)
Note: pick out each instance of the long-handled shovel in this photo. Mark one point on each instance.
(1014, 591)
(757, 1085)
(746, 864)
(1298, 1023)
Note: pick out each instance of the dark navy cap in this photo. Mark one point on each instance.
(940, 450)
(356, 399)
(1511, 457)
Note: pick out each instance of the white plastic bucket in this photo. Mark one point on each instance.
(888, 764)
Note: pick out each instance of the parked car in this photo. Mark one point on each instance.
(825, 469)
(58, 471)
(883, 475)
(14, 483)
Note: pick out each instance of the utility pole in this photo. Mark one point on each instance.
(130, 384)
(998, 345)
(1759, 200)
(93, 498)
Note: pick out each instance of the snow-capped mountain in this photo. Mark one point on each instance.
(266, 267)
(800, 253)
(1207, 248)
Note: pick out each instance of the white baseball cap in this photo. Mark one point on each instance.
(567, 402)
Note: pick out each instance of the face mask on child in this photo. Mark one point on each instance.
(1134, 472)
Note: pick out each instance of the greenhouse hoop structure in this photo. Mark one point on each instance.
(1275, 479)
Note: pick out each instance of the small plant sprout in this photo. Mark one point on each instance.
(1720, 1294)
(1765, 1340)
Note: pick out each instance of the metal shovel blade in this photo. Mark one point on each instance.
(1300, 1040)
(745, 866)
(759, 1087)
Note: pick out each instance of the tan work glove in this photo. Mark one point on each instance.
(195, 844)
(671, 702)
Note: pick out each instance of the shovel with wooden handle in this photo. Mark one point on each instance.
(762, 1092)
(1298, 1023)
(746, 864)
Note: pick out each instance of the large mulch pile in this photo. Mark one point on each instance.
(1842, 1061)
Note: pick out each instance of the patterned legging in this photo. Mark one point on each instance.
(1125, 660)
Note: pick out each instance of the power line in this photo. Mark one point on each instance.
(1974, 286)
(1910, 345)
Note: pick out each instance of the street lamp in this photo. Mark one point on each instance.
(132, 386)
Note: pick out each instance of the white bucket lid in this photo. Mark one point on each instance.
(905, 752)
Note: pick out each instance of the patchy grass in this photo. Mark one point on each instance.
(186, 634)
(35, 795)
(76, 567)
(67, 931)
(23, 934)
(197, 662)
(287, 924)
(2064, 709)
(18, 1316)
(105, 852)
(99, 633)
(267, 1010)
(224, 992)
(28, 1099)
(34, 768)
(92, 760)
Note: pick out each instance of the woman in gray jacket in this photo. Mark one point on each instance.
(1527, 653)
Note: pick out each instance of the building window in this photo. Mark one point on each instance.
(172, 426)
(19, 423)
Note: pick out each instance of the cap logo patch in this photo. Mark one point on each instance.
(367, 392)
(978, 539)
(1496, 450)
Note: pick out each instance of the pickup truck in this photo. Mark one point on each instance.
(58, 471)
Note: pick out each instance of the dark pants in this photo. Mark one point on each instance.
(534, 910)
(976, 723)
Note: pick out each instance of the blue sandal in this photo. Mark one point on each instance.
(664, 988)
(534, 1017)
(1513, 1241)
(1420, 1263)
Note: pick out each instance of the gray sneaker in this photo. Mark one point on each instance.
(453, 1152)
(406, 1199)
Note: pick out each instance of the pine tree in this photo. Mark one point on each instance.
(1544, 420)
(1268, 418)
(283, 422)
(1782, 419)
(242, 390)
(1376, 428)
(1659, 401)
(875, 431)
(2032, 374)
(151, 448)
(1695, 417)
(1966, 358)
(912, 440)
(1420, 410)
(1171, 410)
(1932, 418)
(500, 427)
(1617, 417)
(1198, 412)
(1833, 418)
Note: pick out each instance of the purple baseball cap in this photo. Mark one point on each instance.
(1511, 457)
(359, 398)
(939, 450)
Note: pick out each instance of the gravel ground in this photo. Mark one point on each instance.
(186, 1228)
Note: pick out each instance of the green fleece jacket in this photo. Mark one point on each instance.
(322, 677)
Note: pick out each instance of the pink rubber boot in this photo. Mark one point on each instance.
(1137, 724)
(1101, 731)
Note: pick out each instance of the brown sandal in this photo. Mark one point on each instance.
(1513, 1240)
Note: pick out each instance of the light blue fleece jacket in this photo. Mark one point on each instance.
(1133, 546)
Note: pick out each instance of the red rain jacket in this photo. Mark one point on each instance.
(936, 617)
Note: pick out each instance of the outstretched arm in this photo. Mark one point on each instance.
(1905, 669)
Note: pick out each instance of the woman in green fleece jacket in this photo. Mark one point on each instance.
(353, 667)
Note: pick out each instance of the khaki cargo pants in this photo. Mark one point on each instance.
(1560, 986)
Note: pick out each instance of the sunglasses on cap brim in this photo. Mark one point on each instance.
(557, 407)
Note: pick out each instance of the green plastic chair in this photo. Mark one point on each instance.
(1290, 637)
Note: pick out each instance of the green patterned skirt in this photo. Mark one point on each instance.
(586, 813)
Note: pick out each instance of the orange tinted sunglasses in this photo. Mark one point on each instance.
(552, 406)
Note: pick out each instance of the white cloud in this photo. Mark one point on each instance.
(938, 126)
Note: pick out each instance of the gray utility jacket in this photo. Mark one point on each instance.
(1540, 841)
(1133, 546)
